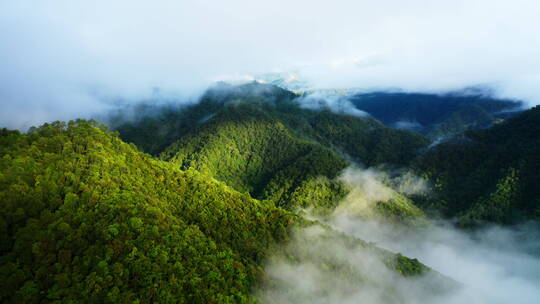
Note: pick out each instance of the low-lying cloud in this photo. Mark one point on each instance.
(336, 103)
(495, 265)
(58, 59)
(322, 267)
(491, 265)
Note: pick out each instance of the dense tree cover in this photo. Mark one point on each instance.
(491, 174)
(366, 140)
(155, 124)
(435, 115)
(258, 140)
(254, 153)
(87, 218)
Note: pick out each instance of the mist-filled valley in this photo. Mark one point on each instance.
(495, 265)
(270, 152)
(492, 264)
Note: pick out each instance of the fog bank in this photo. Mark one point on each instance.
(61, 59)
(492, 265)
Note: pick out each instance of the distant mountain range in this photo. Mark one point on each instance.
(437, 116)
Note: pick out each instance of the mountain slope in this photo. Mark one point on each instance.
(153, 124)
(87, 218)
(489, 175)
(366, 140)
(269, 147)
(247, 149)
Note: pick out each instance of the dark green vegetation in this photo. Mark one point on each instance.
(481, 174)
(436, 115)
(489, 175)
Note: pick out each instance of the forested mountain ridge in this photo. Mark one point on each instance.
(257, 139)
(153, 127)
(87, 218)
(489, 175)
(269, 152)
(247, 149)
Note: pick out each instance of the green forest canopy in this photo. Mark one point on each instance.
(88, 218)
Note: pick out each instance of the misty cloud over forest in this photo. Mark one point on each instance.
(306, 152)
(490, 265)
(65, 59)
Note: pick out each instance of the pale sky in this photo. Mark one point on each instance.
(61, 59)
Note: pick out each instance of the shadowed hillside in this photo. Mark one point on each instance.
(489, 175)
(436, 115)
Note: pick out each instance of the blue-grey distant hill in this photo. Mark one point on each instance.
(436, 115)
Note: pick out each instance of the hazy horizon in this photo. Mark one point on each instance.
(62, 59)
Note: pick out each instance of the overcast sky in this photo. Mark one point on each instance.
(61, 59)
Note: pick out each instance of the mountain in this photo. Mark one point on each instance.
(86, 217)
(489, 175)
(291, 81)
(154, 126)
(434, 115)
(438, 116)
(228, 199)
(258, 140)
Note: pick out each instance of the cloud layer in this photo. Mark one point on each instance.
(59, 58)
(492, 265)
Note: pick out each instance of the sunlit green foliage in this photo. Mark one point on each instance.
(398, 209)
(154, 125)
(86, 218)
(255, 153)
(259, 141)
